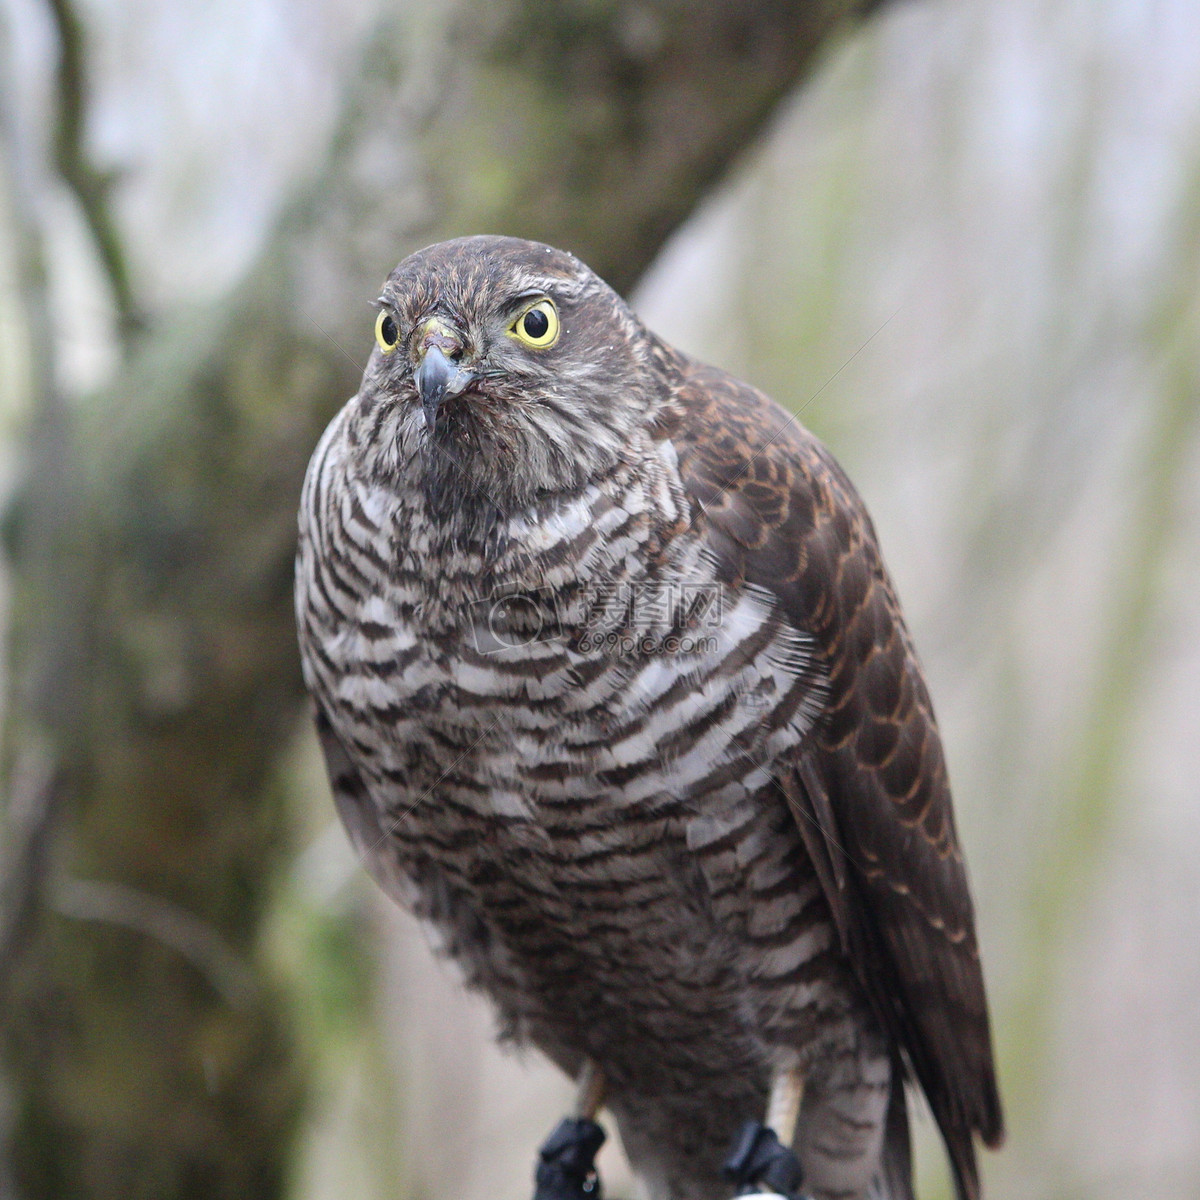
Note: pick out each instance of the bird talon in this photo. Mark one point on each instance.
(566, 1167)
(762, 1166)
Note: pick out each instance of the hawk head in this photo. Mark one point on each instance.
(505, 370)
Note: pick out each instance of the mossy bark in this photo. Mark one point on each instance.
(153, 639)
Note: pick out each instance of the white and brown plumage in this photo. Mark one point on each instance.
(615, 691)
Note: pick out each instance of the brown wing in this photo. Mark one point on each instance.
(869, 787)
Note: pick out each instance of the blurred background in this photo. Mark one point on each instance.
(961, 238)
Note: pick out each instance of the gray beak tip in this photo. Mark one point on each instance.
(437, 378)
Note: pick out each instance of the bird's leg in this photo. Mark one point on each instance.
(783, 1108)
(566, 1167)
(589, 1094)
(761, 1161)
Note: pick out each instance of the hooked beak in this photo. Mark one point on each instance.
(439, 379)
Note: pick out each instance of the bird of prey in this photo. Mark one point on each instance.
(615, 693)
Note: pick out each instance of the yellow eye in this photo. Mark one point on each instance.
(537, 326)
(386, 333)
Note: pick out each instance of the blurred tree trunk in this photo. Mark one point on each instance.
(152, 549)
